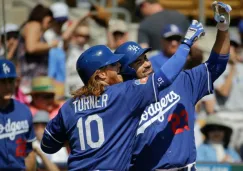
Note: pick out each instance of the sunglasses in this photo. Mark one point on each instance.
(172, 38)
(46, 96)
(83, 35)
(141, 5)
(216, 128)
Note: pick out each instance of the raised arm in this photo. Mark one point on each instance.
(219, 56)
(66, 35)
(170, 70)
(222, 43)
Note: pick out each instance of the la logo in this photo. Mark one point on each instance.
(6, 69)
(133, 48)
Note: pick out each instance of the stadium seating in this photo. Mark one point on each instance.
(187, 7)
(235, 4)
(191, 7)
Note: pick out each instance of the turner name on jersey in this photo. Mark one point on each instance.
(156, 111)
(90, 102)
(13, 128)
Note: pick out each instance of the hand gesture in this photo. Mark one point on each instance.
(221, 15)
(194, 32)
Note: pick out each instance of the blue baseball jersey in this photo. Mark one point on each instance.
(16, 136)
(165, 136)
(101, 130)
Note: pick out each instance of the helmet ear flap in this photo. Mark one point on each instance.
(127, 70)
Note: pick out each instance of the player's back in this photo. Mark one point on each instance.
(165, 131)
(106, 125)
(101, 130)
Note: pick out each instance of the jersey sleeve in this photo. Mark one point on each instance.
(141, 92)
(200, 83)
(54, 135)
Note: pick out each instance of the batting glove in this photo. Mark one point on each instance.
(194, 32)
(221, 15)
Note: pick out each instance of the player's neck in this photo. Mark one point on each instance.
(4, 103)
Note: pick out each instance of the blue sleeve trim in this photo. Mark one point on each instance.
(52, 136)
(155, 89)
(216, 64)
(210, 84)
(31, 140)
(176, 63)
(213, 58)
(161, 80)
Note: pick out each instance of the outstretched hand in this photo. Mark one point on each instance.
(221, 15)
(194, 32)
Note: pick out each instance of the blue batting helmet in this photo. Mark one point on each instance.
(7, 69)
(131, 51)
(93, 59)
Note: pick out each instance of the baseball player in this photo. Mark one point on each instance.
(100, 122)
(165, 136)
(16, 129)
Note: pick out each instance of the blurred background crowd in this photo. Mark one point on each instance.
(44, 39)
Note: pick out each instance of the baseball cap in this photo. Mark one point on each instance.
(7, 69)
(41, 116)
(60, 11)
(171, 30)
(118, 25)
(10, 28)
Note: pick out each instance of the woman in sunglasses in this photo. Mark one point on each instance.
(43, 96)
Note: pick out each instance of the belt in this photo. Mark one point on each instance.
(189, 167)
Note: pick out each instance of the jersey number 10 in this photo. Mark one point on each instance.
(88, 134)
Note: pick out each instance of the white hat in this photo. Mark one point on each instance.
(9, 28)
(118, 25)
(60, 11)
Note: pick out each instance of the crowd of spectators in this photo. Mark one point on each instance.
(46, 46)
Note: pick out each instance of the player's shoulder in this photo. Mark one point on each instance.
(121, 87)
(68, 104)
(20, 106)
(67, 110)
